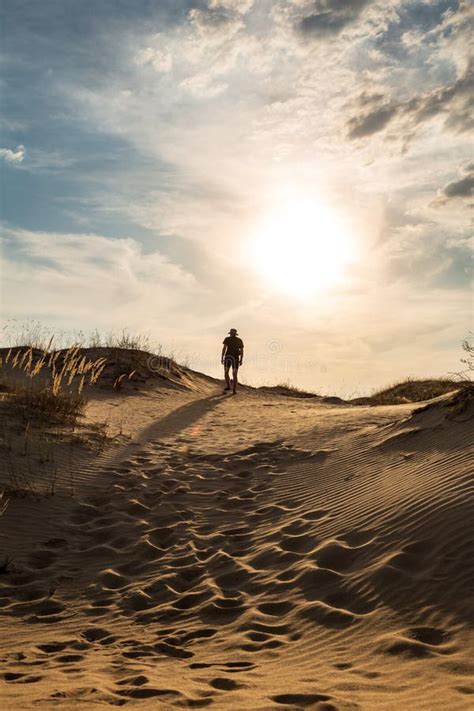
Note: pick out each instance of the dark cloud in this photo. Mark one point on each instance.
(329, 17)
(366, 99)
(455, 101)
(372, 122)
(211, 17)
(460, 188)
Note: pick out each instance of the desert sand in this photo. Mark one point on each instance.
(250, 552)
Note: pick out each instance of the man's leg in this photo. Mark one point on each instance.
(235, 368)
(226, 375)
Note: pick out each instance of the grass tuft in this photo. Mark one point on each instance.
(47, 385)
(410, 390)
(287, 389)
(6, 565)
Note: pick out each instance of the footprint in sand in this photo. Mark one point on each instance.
(230, 666)
(111, 580)
(42, 558)
(417, 643)
(95, 634)
(224, 684)
(21, 678)
(315, 515)
(300, 700)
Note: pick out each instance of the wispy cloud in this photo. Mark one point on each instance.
(92, 277)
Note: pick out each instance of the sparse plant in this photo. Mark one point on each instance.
(34, 334)
(286, 388)
(124, 376)
(44, 390)
(410, 390)
(48, 384)
(119, 339)
(6, 565)
(468, 360)
(19, 483)
(28, 333)
(44, 398)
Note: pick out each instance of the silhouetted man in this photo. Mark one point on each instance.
(232, 357)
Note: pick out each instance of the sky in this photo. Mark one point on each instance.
(301, 170)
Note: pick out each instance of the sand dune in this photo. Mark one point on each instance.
(257, 552)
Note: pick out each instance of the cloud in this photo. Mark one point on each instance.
(160, 60)
(462, 188)
(15, 156)
(240, 6)
(329, 17)
(180, 127)
(90, 277)
(372, 122)
(454, 102)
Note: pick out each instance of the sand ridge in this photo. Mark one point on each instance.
(249, 553)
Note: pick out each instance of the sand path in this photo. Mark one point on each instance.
(248, 553)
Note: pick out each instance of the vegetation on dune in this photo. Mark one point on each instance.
(42, 400)
(287, 389)
(56, 378)
(414, 390)
(34, 334)
(130, 355)
(44, 391)
(410, 390)
(468, 359)
(43, 394)
(47, 385)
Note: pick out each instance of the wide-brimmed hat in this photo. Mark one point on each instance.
(233, 330)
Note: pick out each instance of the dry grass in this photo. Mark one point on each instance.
(288, 390)
(34, 334)
(120, 339)
(6, 565)
(132, 355)
(43, 393)
(410, 390)
(43, 397)
(47, 385)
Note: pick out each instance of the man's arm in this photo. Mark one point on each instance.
(241, 354)
(224, 350)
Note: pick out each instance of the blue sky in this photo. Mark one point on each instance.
(144, 144)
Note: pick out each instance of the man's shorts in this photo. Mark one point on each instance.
(231, 362)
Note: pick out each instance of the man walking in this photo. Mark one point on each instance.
(232, 357)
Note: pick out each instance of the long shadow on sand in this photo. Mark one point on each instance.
(179, 419)
(170, 425)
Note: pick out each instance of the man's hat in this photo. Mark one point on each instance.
(233, 331)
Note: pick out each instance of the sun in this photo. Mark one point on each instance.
(302, 247)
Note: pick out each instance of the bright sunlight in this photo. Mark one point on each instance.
(302, 247)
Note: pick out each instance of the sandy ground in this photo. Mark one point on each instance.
(255, 552)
